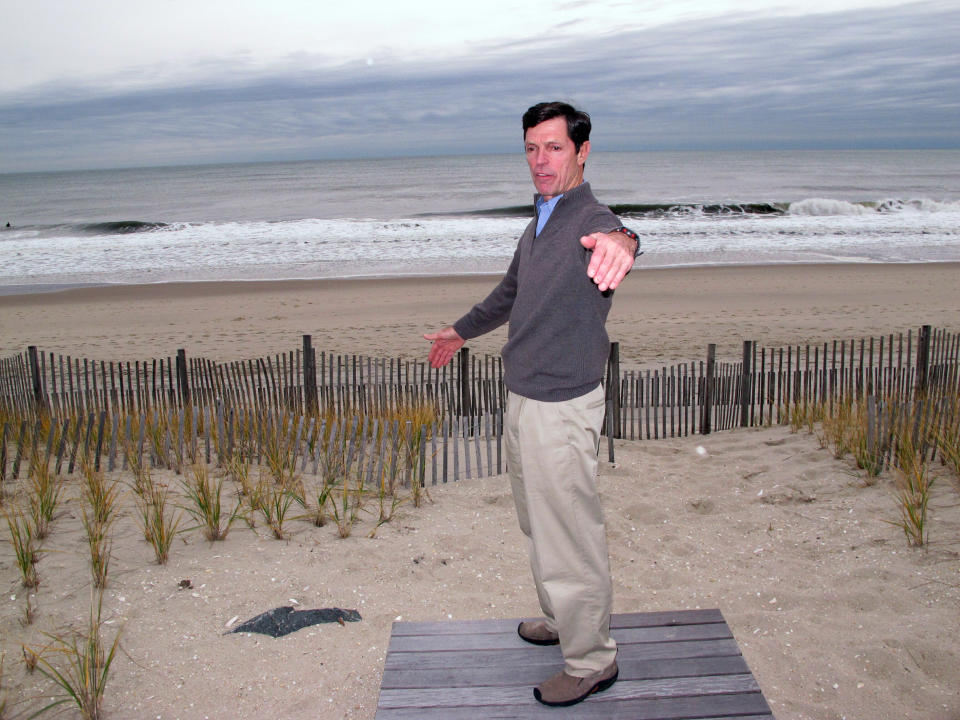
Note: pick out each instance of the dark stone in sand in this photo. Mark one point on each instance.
(284, 620)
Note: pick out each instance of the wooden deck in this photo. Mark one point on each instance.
(673, 666)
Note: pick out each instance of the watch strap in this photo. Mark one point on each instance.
(630, 234)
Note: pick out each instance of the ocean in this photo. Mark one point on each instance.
(456, 215)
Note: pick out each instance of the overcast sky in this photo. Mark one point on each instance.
(102, 83)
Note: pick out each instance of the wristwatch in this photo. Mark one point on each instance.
(630, 234)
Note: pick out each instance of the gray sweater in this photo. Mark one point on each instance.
(557, 345)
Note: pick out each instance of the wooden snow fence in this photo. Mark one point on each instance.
(365, 447)
(296, 380)
(86, 404)
(768, 383)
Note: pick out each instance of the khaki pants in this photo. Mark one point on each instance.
(551, 450)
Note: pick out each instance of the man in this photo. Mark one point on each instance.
(556, 296)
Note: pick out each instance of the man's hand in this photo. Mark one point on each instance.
(612, 258)
(446, 342)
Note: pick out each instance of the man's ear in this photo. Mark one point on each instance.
(583, 152)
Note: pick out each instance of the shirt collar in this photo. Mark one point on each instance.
(551, 203)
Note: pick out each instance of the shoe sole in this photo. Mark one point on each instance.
(599, 687)
(534, 641)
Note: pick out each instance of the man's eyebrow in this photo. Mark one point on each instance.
(553, 141)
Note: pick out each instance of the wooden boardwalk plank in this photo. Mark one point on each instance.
(624, 620)
(488, 641)
(673, 666)
(719, 707)
(622, 690)
(551, 655)
(530, 674)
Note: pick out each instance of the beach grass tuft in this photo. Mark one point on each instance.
(867, 442)
(275, 501)
(334, 487)
(29, 612)
(101, 495)
(100, 545)
(837, 427)
(45, 489)
(238, 470)
(344, 508)
(278, 452)
(324, 490)
(388, 504)
(156, 431)
(205, 503)
(86, 668)
(31, 657)
(138, 468)
(948, 436)
(99, 511)
(805, 415)
(25, 551)
(157, 520)
(415, 432)
(913, 483)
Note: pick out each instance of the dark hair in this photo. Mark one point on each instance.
(578, 122)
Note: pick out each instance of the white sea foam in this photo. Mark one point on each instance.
(829, 207)
(257, 250)
(819, 207)
(411, 246)
(241, 222)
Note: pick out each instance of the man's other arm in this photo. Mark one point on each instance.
(482, 318)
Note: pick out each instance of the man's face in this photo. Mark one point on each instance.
(555, 164)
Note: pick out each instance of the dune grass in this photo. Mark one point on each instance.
(85, 668)
(905, 436)
(947, 435)
(366, 465)
(24, 545)
(44, 496)
(274, 501)
(204, 495)
(98, 512)
(158, 520)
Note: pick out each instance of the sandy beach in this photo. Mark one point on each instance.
(835, 614)
(660, 316)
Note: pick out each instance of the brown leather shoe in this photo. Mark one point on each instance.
(562, 689)
(536, 632)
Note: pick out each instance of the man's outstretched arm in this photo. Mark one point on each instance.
(446, 342)
(613, 256)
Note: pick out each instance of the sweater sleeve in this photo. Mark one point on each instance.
(494, 310)
(602, 220)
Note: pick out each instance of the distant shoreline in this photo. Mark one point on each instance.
(257, 284)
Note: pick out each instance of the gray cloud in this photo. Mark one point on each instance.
(886, 77)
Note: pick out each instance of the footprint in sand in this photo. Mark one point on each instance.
(641, 513)
(702, 506)
(680, 548)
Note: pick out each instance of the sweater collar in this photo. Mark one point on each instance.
(583, 189)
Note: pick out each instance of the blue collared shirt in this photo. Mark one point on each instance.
(544, 209)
